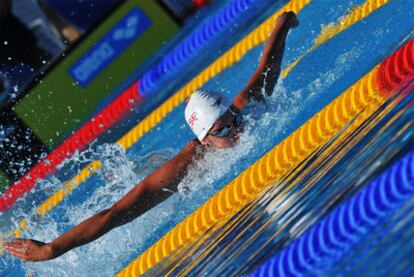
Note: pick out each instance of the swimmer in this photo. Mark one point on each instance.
(215, 122)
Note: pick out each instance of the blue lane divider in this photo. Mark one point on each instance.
(196, 42)
(333, 235)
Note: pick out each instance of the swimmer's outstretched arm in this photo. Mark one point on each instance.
(267, 73)
(141, 198)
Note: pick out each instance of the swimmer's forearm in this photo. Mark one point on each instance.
(136, 202)
(125, 210)
(267, 71)
(85, 232)
(266, 75)
(273, 51)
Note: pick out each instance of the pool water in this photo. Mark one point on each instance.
(286, 210)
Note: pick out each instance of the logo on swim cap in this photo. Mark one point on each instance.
(193, 118)
(202, 109)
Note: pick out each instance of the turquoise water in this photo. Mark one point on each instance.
(283, 213)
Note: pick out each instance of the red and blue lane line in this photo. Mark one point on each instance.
(134, 95)
(95, 127)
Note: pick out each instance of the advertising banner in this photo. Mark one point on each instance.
(68, 95)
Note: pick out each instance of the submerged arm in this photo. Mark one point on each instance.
(267, 73)
(141, 198)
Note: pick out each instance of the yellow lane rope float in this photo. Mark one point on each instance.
(356, 14)
(266, 171)
(284, 185)
(350, 109)
(233, 55)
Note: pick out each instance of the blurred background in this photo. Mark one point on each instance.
(43, 46)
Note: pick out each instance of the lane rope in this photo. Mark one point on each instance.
(364, 95)
(176, 59)
(357, 217)
(254, 38)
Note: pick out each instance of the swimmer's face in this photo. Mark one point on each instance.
(225, 131)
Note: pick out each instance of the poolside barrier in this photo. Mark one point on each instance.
(130, 98)
(326, 241)
(364, 95)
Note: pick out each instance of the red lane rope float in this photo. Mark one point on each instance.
(95, 127)
(199, 3)
(397, 69)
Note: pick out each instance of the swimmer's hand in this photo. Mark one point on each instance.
(29, 250)
(291, 19)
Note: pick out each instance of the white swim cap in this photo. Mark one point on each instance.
(203, 109)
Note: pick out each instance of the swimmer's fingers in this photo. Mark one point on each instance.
(29, 250)
(17, 252)
(16, 248)
(14, 244)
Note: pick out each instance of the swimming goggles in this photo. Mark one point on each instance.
(225, 130)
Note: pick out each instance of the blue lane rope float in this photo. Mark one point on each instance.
(332, 236)
(193, 44)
